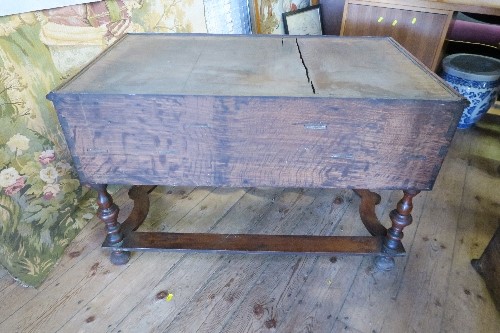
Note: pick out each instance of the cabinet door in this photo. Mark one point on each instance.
(421, 33)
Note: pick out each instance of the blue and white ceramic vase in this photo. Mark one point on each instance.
(475, 77)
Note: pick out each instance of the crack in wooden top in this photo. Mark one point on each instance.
(191, 64)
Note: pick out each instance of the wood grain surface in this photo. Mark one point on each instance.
(258, 111)
(421, 33)
(190, 64)
(227, 141)
(488, 7)
(433, 289)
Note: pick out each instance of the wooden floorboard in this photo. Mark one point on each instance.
(374, 291)
(279, 288)
(112, 304)
(464, 308)
(433, 289)
(425, 280)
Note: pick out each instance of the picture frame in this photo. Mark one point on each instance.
(305, 21)
(266, 16)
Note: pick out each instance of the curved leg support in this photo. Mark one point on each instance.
(367, 213)
(108, 213)
(140, 196)
(400, 217)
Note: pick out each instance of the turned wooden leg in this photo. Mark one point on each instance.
(400, 217)
(108, 213)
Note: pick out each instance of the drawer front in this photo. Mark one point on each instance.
(419, 32)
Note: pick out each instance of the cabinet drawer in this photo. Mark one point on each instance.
(420, 32)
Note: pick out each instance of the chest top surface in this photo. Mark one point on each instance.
(281, 66)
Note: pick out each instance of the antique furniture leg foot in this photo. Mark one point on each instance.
(400, 217)
(383, 263)
(108, 213)
(119, 257)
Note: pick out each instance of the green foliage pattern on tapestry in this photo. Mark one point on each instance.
(42, 205)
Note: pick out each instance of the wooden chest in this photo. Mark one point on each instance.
(244, 111)
(258, 111)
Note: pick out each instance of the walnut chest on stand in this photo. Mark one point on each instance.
(257, 111)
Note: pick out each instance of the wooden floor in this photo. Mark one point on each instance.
(433, 289)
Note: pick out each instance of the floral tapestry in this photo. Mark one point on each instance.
(42, 205)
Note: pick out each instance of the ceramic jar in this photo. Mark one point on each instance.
(475, 77)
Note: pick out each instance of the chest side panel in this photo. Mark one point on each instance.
(257, 141)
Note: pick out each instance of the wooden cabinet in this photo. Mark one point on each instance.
(267, 111)
(420, 30)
